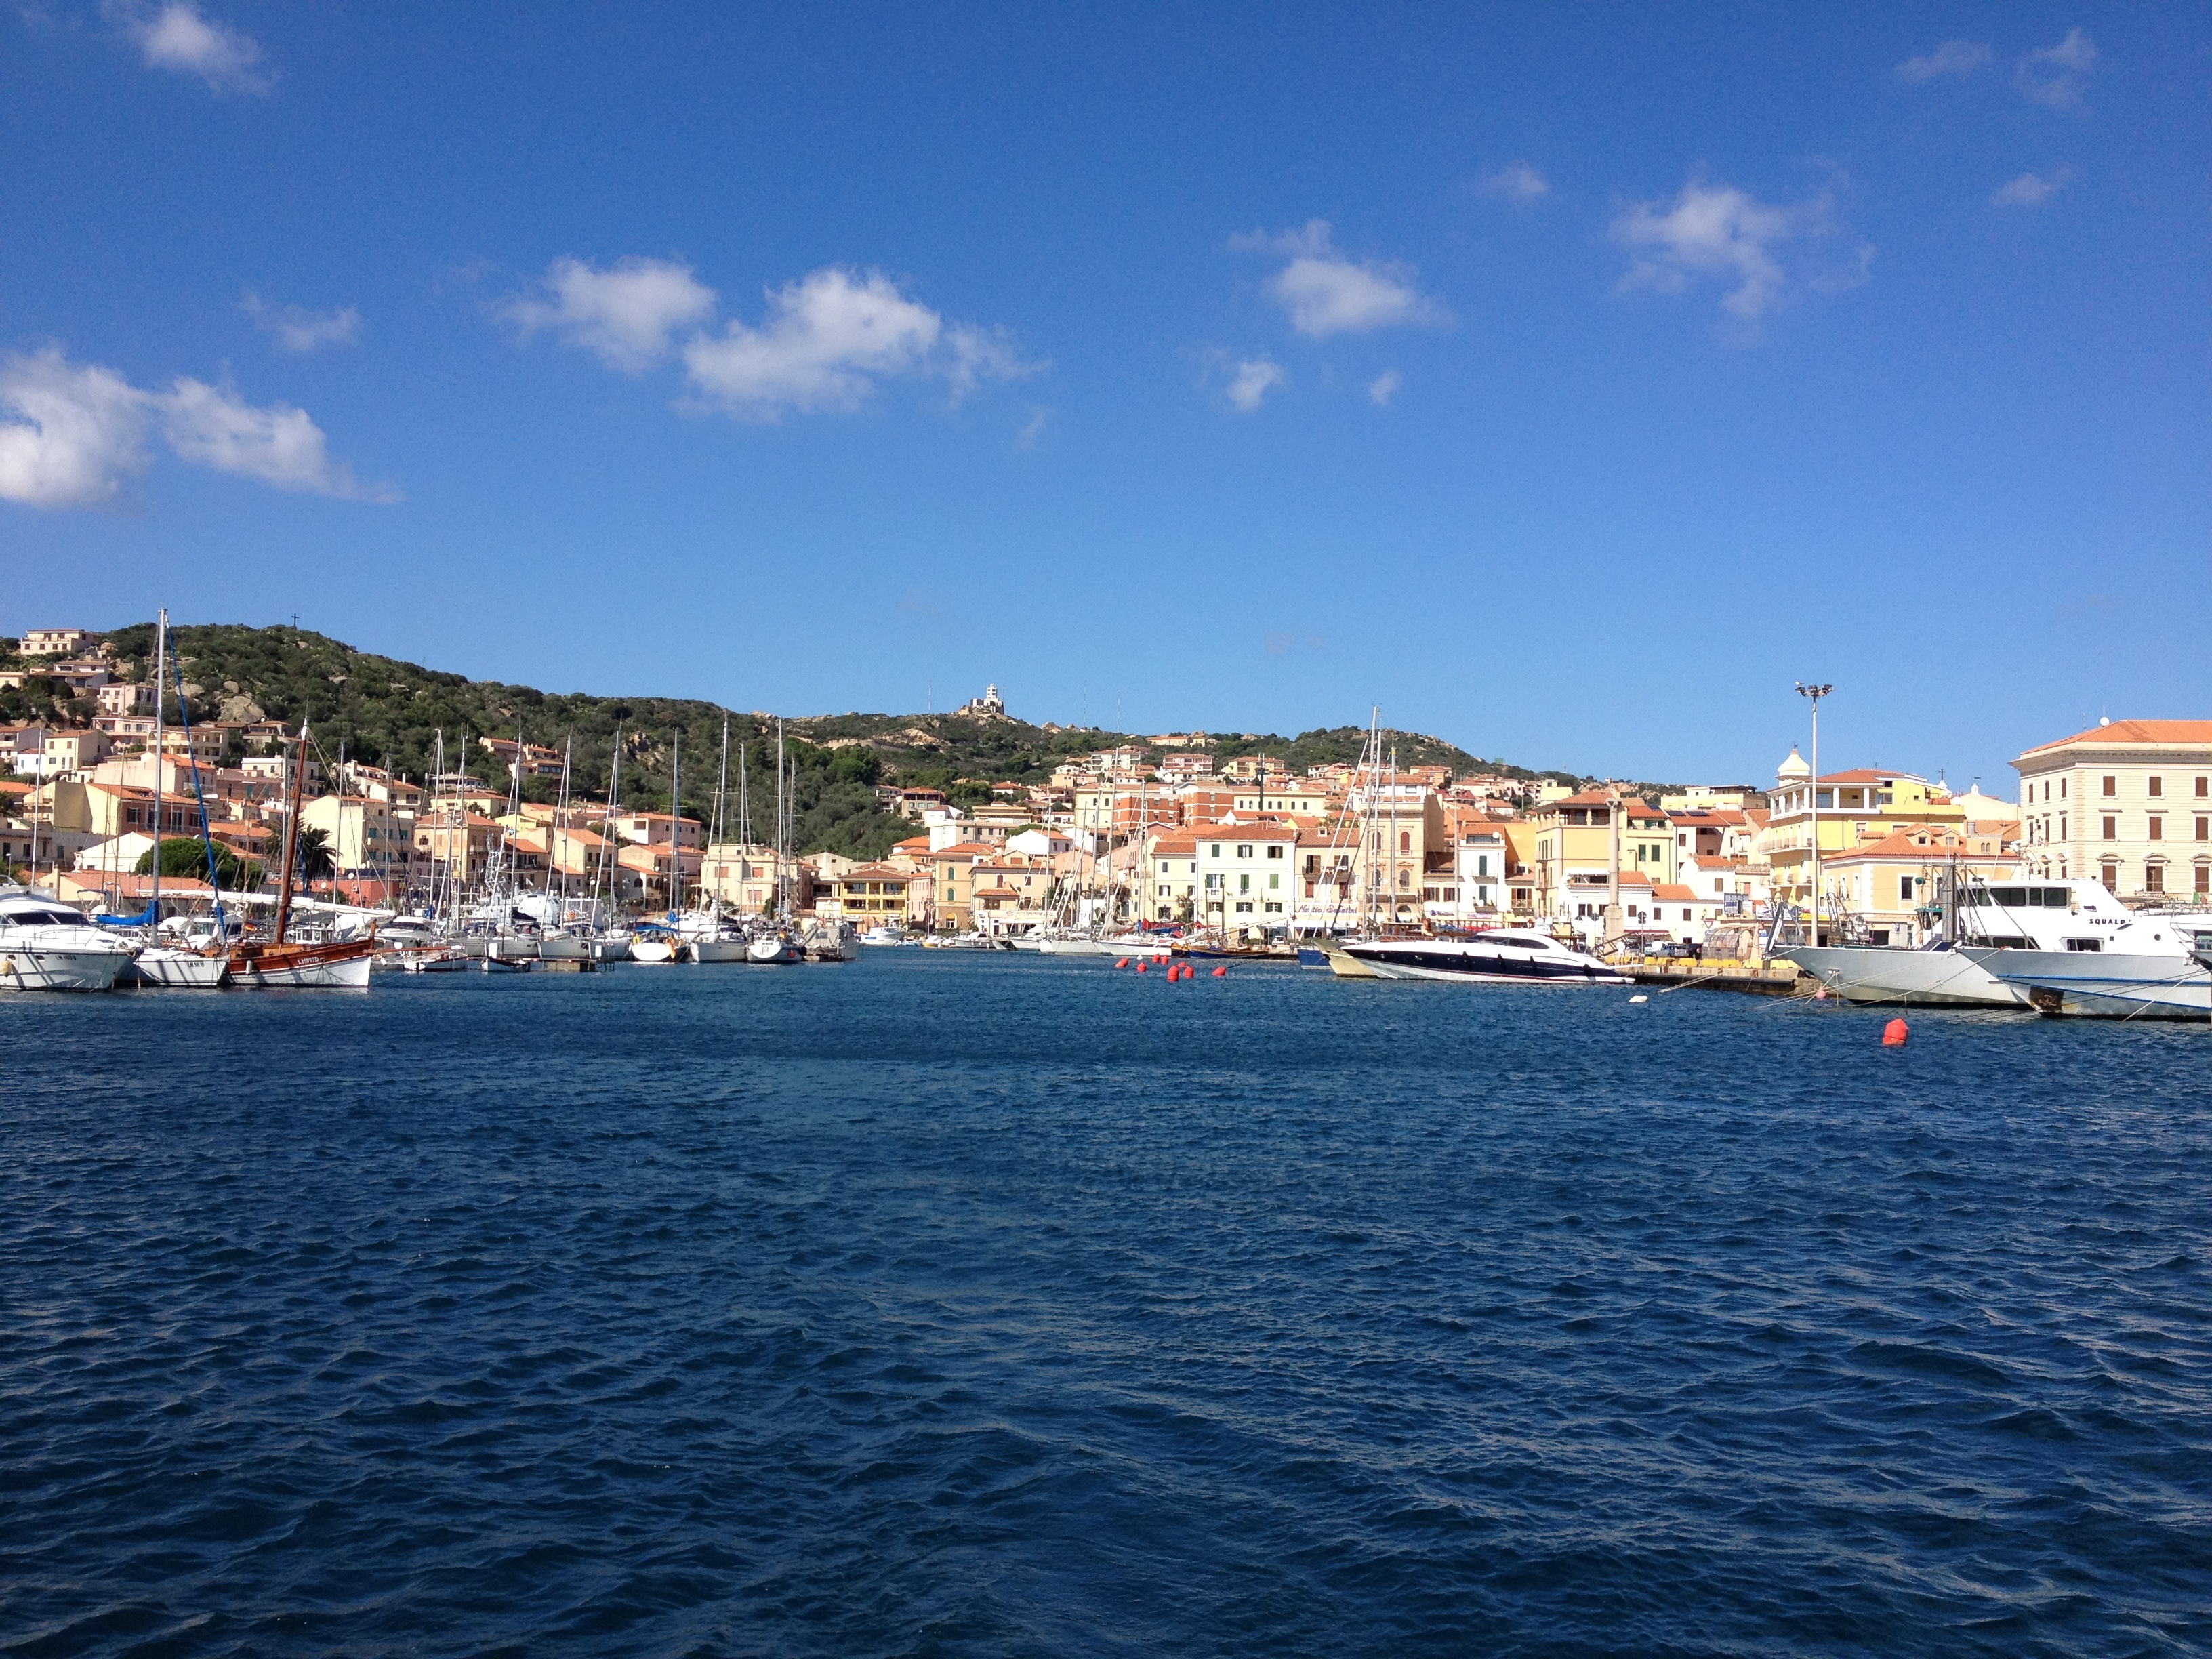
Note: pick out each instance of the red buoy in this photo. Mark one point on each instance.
(1140, 967)
(1123, 962)
(1221, 972)
(1894, 1033)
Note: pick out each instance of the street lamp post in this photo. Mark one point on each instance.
(1815, 692)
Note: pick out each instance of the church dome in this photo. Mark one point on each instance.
(1793, 770)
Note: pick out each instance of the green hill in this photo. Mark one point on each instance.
(385, 712)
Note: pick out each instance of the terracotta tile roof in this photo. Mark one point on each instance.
(2189, 733)
(1672, 892)
(967, 849)
(876, 873)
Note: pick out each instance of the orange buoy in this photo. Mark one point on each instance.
(1221, 972)
(1894, 1033)
(1140, 967)
(1123, 962)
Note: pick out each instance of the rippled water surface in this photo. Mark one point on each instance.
(939, 1304)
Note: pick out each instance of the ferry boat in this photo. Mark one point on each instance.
(45, 946)
(1510, 956)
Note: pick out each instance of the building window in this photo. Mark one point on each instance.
(1904, 889)
(2112, 785)
(2203, 787)
(2157, 822)
(2111, 828)
(2153, 878)
(2204, 829)
(2157, 788)
(1244, 851)
(2109, 875)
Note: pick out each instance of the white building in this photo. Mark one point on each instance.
(2128, 802)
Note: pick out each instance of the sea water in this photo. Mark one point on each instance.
(954, 1303)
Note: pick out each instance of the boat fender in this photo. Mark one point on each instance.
(1140, 967)
(1122, 962)
(1639, 999)
(1894, 1033)
(1221, 972)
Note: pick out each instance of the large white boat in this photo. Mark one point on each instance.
(1510, 956)
(2106, 984)
(45, 946)
(1992, 922)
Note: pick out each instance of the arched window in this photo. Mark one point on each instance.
(1405, 840)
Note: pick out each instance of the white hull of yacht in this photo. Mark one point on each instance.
(653, 952)
(774, 953)
(720, 949)
(1922, 978)
(2106, 984)
(564, 947)
(1070, 947)
(40, 968)
(166, 966)
(1538, 961)
(1154, 950)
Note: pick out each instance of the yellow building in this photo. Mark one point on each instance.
(368, 839)
(1853, 807)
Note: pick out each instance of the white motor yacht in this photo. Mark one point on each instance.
(2163, 976)
(1510, 956)
(832, 939)
(1993, 921)
(45, 946)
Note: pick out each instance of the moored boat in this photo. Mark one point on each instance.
(45, 946)
(1503, 957)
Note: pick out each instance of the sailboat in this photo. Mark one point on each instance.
(712, 936)
(778, 947)
(154, 963)
(656, 943)
(337, 963)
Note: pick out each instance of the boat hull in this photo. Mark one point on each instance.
(719, 950)
(1435, 959)
(344, 967)
(1923, 978)
(59, 969)
(654, 953)
(2106, 984)
(565, 947)
(174, 969)
(774, 953)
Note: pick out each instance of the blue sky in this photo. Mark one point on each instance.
(1568, 381)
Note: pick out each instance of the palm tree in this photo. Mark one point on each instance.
(316, 862)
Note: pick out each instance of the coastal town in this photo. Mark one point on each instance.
(1157, 834)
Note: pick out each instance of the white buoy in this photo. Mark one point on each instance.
(1639, 997)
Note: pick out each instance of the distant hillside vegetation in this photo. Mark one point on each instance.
(384, 712)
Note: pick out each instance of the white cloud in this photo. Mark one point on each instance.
(624, 313)
(212, 426)
(300, 329)
(1719, 230)
(1327, 293)
(2032, 189)
(1253, 381)
(827, 340)
(1384, 386)
(179, 37)
(1033, 428)
(2055, 75)
(80, 434)
(1952, 58)
(1519, 183)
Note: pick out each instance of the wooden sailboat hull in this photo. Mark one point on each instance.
(323, 967)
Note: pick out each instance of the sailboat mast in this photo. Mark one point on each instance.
(161, 667)
(719, 838)
(291, 836)
(676, 820)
